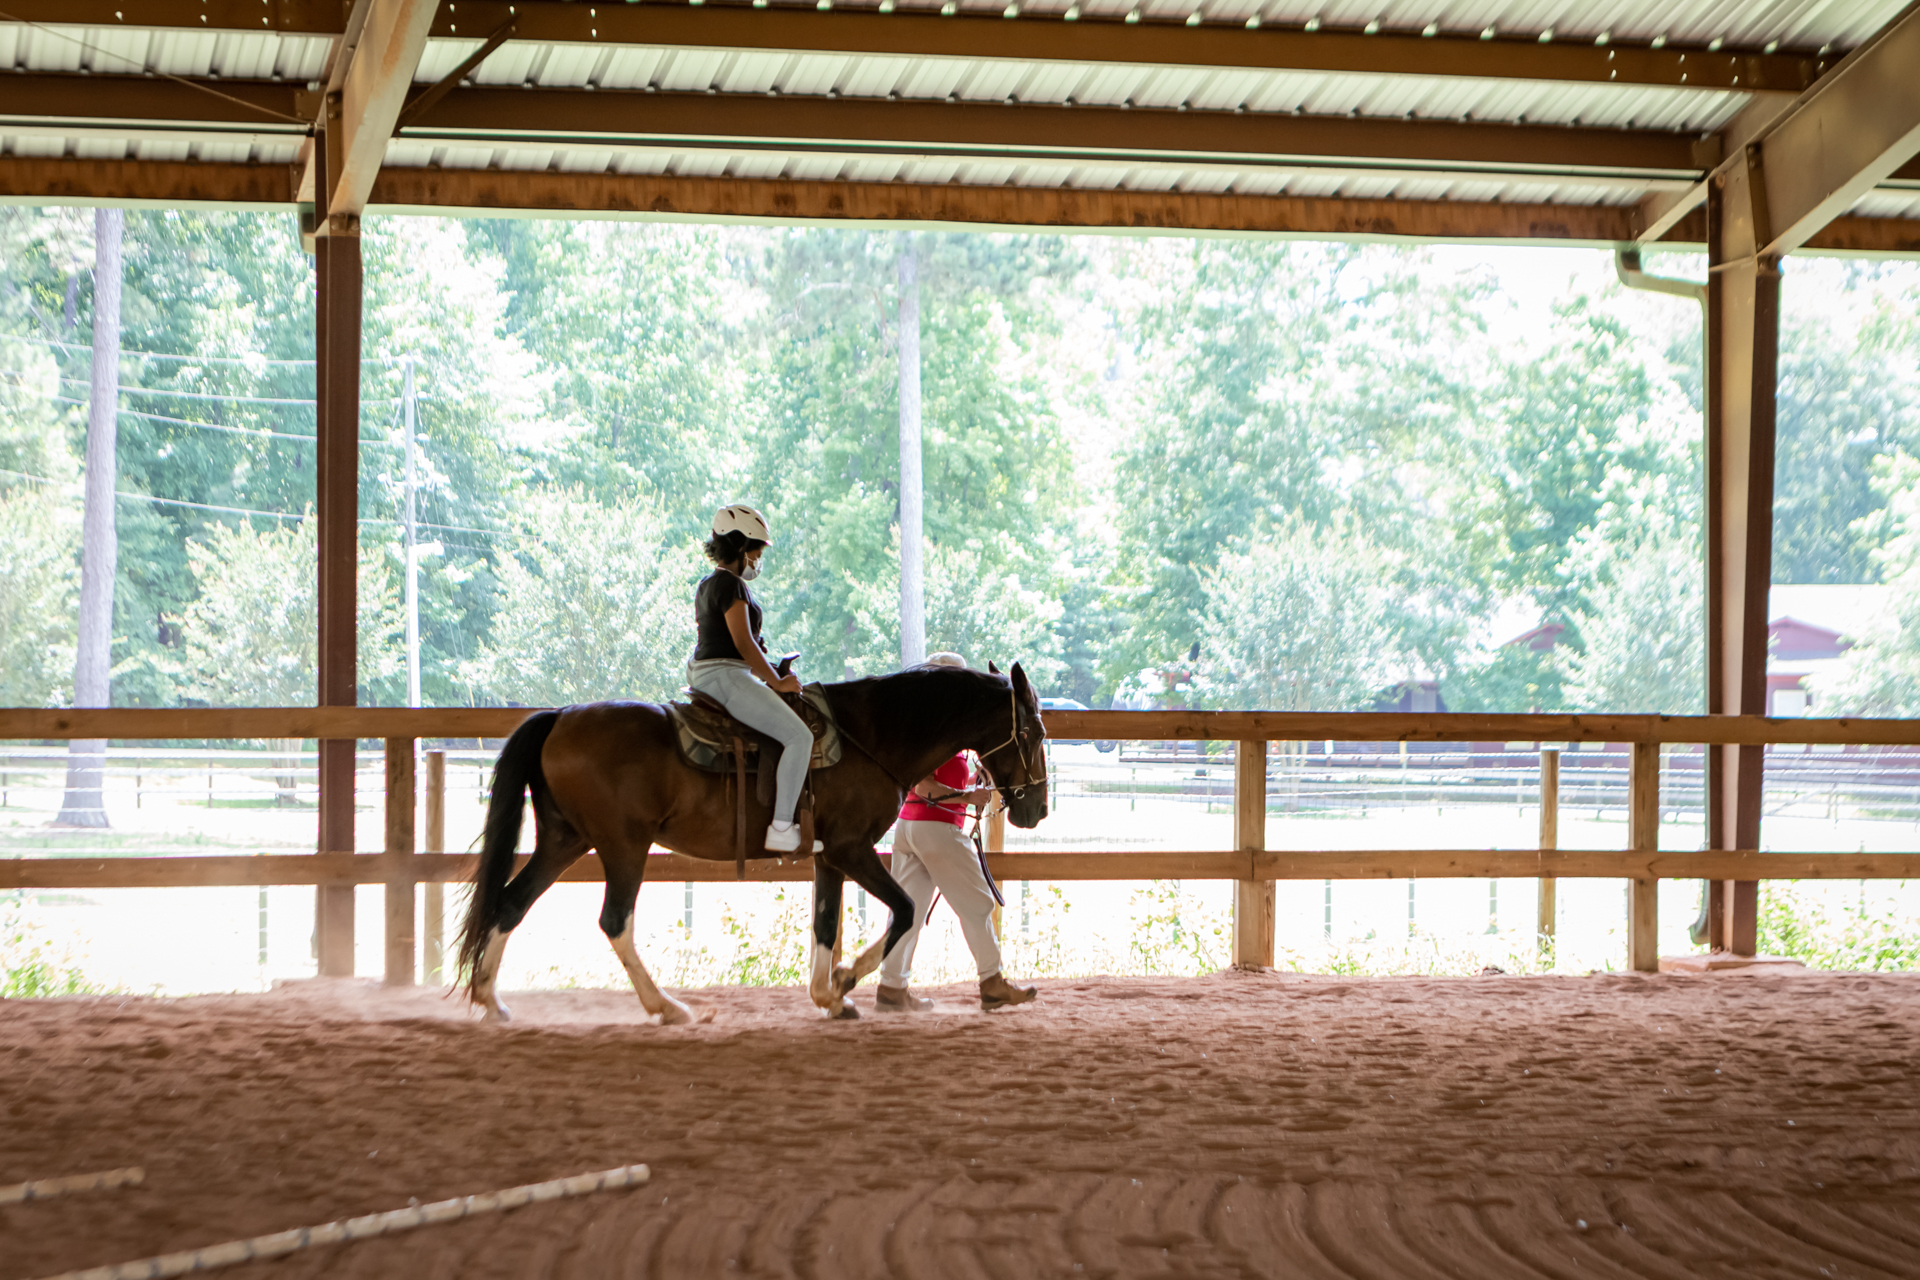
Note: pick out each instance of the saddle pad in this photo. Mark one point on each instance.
(705, 736)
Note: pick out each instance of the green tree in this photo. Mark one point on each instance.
(249, 636)
(1642, 628)
(1292, 382)
(596, 603)
(39, 584)
(1306, 619)
(997, 469)
(1880, 674)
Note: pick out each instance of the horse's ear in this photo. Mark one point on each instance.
(991, 669)
(1020, 685)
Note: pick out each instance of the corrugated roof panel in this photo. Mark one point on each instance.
(1168, 86)
(1048, 82)
(1145, 179)
(569, 66)
(826, 169)
(1204, 182)
(931, 77)
(464, 157)
(929, 171)
(57, 48)
(163, 151)
(754, 166)
(442, 56)
(689, 70)
(37, 147)
(872, 77)
(750, 72)
(641, 162)
(585, 160)
(223, 152)
(409, 155)
(864, 169)
(812, 73)
(100, 148)
(986, 81)
(1040, 175)
(631, 68)
(698, 164)
(1888, 204)
(984, 174)
(512, 63)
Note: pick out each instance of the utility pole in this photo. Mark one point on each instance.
(84, 804)
(412, 542)
(913, 601)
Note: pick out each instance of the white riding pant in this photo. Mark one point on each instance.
(929, 856)
(728, 682)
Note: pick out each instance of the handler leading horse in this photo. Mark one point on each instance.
(608, 777)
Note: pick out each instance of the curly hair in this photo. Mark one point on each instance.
(730, 548)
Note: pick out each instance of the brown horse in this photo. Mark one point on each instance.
(609, 777)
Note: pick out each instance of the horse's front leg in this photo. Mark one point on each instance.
(825, 985)
(865, 869)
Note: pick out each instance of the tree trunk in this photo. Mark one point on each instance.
(99, 539)
(913, 602)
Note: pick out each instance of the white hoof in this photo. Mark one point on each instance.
(497, 1012)
(676, 1014)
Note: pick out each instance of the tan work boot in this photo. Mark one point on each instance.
(997, 993)
(899, 1000)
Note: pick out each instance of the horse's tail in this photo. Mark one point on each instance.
(514, 773)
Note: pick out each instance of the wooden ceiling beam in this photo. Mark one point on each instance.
(495, 192)
(923, 33)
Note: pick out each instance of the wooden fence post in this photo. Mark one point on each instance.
(433, 954)
(1252, 899)
(399, 855)
(1643, 835)
(1549, 910)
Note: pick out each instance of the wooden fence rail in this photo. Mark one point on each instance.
(402, 869)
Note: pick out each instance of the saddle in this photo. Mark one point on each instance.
(711, 740)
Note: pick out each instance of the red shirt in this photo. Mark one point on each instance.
(951, 776)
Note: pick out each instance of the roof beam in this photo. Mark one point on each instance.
(372, 95)
(572, 117)
(1805, 165)
(1027, 38)
(1012, 132)
(1842, 138)
(493, 192)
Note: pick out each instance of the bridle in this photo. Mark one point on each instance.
(1017, 738)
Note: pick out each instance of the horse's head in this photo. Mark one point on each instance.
(1019, 764)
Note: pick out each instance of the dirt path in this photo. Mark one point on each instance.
(1234, 1126)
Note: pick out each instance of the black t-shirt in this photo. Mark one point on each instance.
(715, 596)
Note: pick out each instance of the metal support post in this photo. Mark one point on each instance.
(401, 799)
(1743, 348)
(433, 954)
(1643, 836)
(337, 271)
(1253, 900)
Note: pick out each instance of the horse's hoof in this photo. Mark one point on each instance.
(497, 1012)
(677, 1015)
(847, 1014)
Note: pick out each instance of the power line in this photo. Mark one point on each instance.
(248, 511)
(161, 355)
(218, 426)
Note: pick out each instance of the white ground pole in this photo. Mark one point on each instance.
(48, 1188)
(281, 1243)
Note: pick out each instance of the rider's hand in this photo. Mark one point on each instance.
(979, 796)
(785, 684)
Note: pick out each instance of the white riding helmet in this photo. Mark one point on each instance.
(948, 659)
(741, 518)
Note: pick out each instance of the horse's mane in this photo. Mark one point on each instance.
(877, 709)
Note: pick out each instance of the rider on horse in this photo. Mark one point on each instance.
(730, 661)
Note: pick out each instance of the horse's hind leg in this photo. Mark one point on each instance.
(626, 867)
(557, 845)
(866, 870)
(826, 984)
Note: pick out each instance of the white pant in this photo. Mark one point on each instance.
(937, 855)
(728, 682)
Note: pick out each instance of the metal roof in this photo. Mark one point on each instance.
(301, 59)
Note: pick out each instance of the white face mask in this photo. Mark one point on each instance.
(749, 570)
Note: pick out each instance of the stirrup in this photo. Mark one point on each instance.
(787, 841)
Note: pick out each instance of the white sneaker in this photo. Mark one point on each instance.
(784, 837)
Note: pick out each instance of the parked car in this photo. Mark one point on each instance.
(1063, 704)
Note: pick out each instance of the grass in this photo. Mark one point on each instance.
(32, 963)
(1798, 921)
